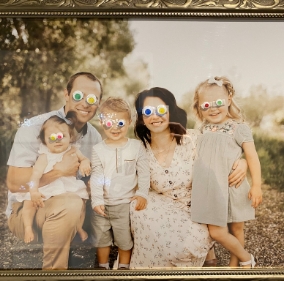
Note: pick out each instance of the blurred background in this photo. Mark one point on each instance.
(37, 56)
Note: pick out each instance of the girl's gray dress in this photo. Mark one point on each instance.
(213, 201)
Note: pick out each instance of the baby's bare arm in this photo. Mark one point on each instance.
(18, 177)
(38, 170)
(37, 173)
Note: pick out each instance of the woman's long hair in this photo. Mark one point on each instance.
(178, 117)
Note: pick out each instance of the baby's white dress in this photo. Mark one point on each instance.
(60, 185)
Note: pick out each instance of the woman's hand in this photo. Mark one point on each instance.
(140, 203)
(238, 173)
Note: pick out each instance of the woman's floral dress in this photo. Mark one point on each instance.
(163, 233)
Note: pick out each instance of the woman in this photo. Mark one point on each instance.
(164, 235)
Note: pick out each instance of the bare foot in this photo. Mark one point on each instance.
(29, 234)
(83, 234)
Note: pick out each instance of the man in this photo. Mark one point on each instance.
(58, 219)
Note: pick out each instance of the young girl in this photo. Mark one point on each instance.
(55, 136)
(224, 136)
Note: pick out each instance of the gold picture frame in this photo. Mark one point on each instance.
(235, 10)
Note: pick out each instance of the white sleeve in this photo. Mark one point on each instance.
(24, 151)
(143, 173)
(97, 180)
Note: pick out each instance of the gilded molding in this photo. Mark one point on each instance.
(153, 274)
(95, 6)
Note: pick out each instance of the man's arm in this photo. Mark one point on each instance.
(18, 177)
(85, 164)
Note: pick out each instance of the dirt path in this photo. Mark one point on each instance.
(264, 238)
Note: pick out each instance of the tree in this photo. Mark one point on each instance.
(260, 104)
(37, 56)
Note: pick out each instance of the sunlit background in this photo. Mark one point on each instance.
(132, 55)
(37, 56)
(183, 53)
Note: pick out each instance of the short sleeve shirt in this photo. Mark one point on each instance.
(26, 144)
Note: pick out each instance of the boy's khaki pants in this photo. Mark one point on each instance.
(58, 221)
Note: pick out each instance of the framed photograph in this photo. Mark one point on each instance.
(132, 46)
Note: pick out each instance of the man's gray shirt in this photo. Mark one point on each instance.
(24, 152)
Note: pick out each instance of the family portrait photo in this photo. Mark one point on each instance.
(132, 144)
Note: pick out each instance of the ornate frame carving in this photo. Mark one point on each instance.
(174, 9)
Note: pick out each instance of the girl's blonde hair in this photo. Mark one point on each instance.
(234, 111)
(116, 104)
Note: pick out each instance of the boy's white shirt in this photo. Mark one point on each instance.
(116, 172)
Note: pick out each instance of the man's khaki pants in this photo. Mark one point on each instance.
(58, 221)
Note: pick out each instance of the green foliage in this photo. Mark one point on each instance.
(271, 156)
(37, 56)
(259, 104)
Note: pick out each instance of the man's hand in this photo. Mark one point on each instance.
(100, 210)
(36, 198)
(238, 173)
(69, 164)
(85, 167)
(141, 202)
(255, 195)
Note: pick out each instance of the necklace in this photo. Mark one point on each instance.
(158, 152)
(164, 161)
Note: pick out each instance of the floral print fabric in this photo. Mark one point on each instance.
(164, 235)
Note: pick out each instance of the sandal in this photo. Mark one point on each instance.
(251, 262)
(123, 268)
(210, 263)
(101, 268)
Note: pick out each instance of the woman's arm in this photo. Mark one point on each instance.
(255, 193)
